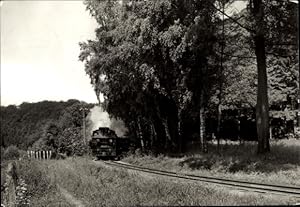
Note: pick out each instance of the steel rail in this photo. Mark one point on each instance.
(242, 185)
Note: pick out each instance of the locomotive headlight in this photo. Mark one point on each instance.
(110, 140)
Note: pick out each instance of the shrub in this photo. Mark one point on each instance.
(11, 153)
(71, 142)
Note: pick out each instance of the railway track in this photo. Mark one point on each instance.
(293, 191)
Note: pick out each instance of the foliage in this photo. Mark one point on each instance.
(70, 142)
(143, 61)
(239, 78)
(72, 115)
(42, 126)
(22, 125)
(11, 153)
(49, 138)
(283, 81)
(239, 66)
(157, 61)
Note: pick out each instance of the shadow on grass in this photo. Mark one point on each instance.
(243, 158)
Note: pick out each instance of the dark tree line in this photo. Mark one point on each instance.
(161, 64)
(43, 126)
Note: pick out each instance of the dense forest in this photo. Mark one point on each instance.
(174, 70)
(44, 125)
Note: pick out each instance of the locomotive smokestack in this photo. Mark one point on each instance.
(99, 118)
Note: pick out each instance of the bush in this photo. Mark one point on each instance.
(71, 142)
(11, 153)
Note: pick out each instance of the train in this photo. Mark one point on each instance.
(105, 144)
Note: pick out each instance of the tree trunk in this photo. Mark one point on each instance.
(271, 137)
(83, 127)
(179, 136)
(153, 135)
(262, 105)
(221, 80)
(167, 133)
(219, 126)
(202, 124)
(239, 129)
(140, 134)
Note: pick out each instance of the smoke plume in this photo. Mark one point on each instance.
(97, 117)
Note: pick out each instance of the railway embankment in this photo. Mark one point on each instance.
(238, 185)
(241, 162)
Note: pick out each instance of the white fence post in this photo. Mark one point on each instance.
(39, 155)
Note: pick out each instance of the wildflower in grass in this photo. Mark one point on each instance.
(22, 198)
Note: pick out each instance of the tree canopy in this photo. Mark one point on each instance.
(157, 63)
(40, 125)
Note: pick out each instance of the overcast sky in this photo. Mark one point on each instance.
(39, 51)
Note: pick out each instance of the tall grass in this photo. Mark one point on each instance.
(41, 191)
(96, 185)
(281, 165)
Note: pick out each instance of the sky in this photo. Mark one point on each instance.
(39, 51)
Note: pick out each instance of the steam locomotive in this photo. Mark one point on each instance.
(105, 144)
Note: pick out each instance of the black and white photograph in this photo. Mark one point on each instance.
(149, 103)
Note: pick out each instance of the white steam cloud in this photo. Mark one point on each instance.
(97, 117)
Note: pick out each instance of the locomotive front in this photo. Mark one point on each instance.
(104, 143)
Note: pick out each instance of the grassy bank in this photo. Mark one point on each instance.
(280, 166)
(39, 188)
(96, 185)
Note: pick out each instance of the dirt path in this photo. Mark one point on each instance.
(70, 198)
